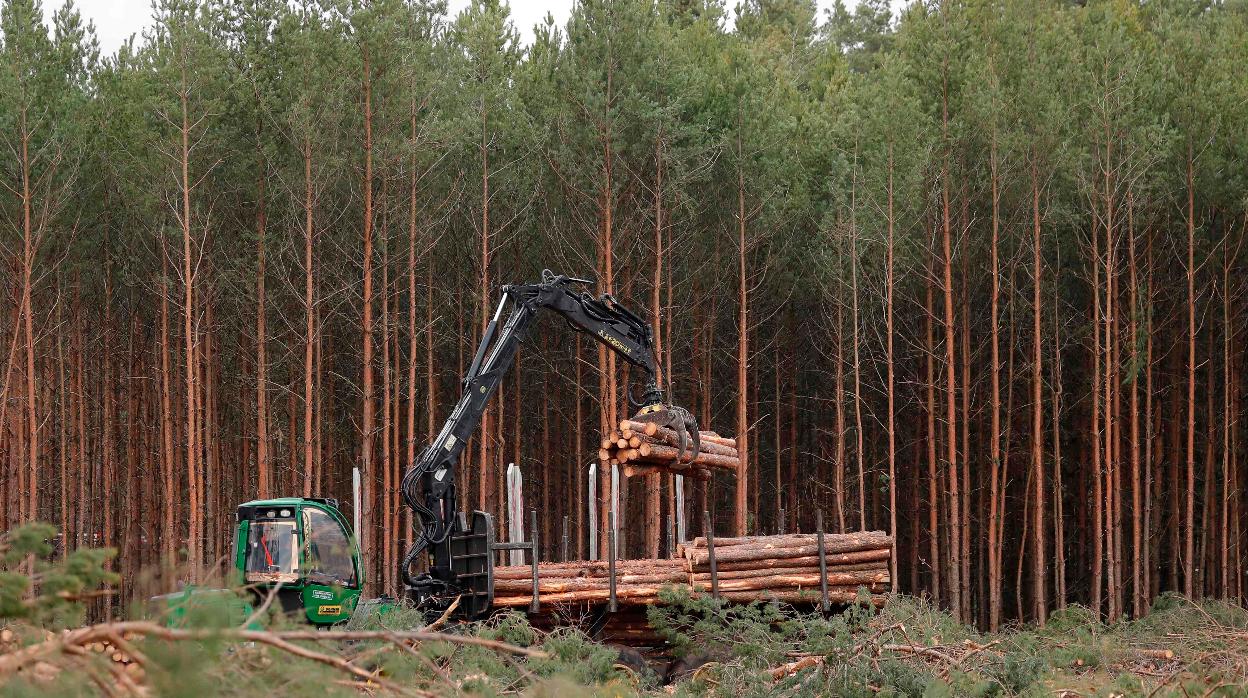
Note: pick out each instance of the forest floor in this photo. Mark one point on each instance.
(908, 648)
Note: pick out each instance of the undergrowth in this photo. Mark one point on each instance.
(908, 648)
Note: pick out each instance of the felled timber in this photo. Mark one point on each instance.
(647, 449)
(795, 568)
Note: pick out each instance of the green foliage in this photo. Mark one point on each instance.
(909, 648)
(713, 627)
(38, 587)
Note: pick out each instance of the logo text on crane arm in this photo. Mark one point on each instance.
(614, 342)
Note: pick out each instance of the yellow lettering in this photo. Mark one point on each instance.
(614, 342)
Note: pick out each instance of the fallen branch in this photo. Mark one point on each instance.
(920, 650)
(73, 642)
(446, 615)
(785, 670)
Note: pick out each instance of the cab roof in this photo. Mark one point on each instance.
(246, 508)
(276, 502)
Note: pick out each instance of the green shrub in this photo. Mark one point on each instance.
(39, 589)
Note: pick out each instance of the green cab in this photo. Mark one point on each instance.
(305, 546)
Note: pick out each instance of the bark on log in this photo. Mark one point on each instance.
(654, 430)
(805, 597)
(845, 543)
(758, 568)
(793, 539)
(768, 571)
(837, 560)
(642, 469)
(661, 453)
(636, 594)
(667, 438)
(795, 580)
(649, 596)
(589, 568)
(510, 587)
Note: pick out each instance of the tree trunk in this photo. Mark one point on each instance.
(412, 354)
(853, 276)
(743, 422)
(994, 436)
(1059, 520)
(951, 382)
(951, 408)
(262, 388)
(933, 473)
(838, 399)
(1189, 527)
(1137, 538)
(195, 526)
(1098, 502)
(368, 407)
(892, 386)
(309, 322)
(30, 507)
(1040, 554)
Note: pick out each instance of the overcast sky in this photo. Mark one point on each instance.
(115, 20)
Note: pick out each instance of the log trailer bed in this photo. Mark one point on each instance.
(609, 597)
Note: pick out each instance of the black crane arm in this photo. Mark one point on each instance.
(428, 486)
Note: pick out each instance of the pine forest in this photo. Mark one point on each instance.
(968, 272)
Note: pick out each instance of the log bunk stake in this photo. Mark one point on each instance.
(530, 545)
(709, 529)
(611, 603)
(823, 563)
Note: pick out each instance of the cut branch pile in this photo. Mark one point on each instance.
(644, 449)
(752, 568)
(128, 666)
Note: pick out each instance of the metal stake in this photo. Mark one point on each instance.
(592, 501)
(565, 538)
(823, 563)
(534, 604)
(680, 508)
(611, 560)
(709, 530)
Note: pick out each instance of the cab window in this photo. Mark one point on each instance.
(272, 551)
(327, 552)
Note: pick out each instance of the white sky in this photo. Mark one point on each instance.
(116, 20)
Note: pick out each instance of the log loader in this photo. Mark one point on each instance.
(303, 547)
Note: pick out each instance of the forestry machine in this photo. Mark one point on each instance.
(301, 549)
(459, 548)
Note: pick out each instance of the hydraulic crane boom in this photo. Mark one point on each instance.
(429, 484)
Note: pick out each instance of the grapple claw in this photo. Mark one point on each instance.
(679, 420)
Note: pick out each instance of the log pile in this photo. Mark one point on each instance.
(644, 449)
(752, 568)
(786, 567)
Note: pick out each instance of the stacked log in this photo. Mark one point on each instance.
(644, 449)
(751, 568)
(786, 567)
(637, 582)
